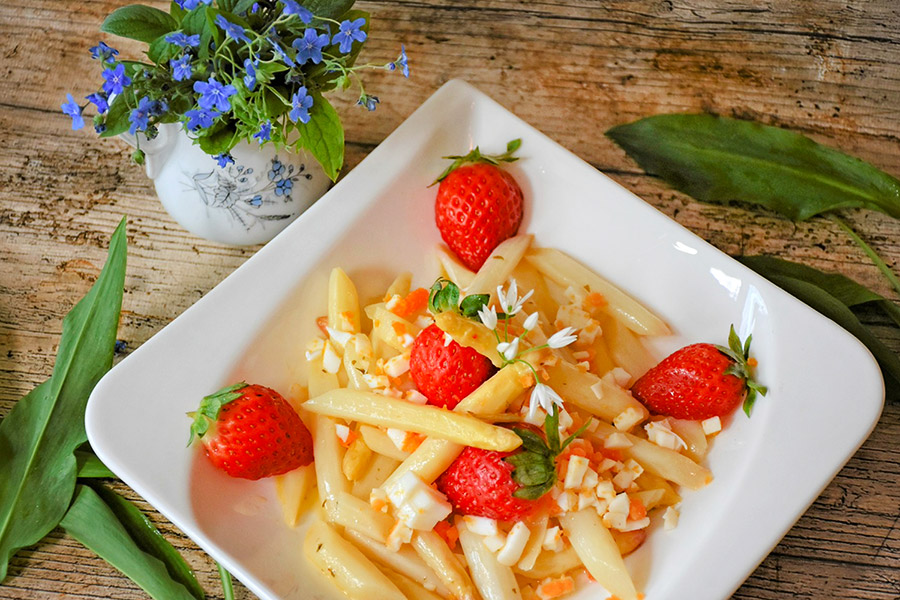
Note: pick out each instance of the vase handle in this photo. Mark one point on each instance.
(157, 150)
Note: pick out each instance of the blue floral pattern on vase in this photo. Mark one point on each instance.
(245, 194)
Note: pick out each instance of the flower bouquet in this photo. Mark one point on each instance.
(233, 70)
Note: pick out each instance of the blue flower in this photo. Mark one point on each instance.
(350, 31)
(182, 40)
(200, 119)
(309, 47)
(250, 77)
(276, 170)
(370, 102)
(293, 8)
(99, 127)
(255, 8)
(265, 132)
(401, 62)
(181, 68)
(224, 159)
(158, 108)
(100, 101)
(281, 53)
(116, 80)
(191, 4)
(301, 103)
(231, 30)
(103, 52)
(255, 201)
(72, 109)
(214, 95)
(284, 187)
(140, 116)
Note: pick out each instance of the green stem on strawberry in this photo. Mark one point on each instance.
(475, 156)
(743, 364)
(209, 409)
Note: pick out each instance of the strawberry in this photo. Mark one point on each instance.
(250, 431)
(508, 486)
(478, 205)
(446, 373)
(701, 381)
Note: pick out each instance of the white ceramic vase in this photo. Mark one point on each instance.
(246, 202)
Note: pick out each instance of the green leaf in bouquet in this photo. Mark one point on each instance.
(227, 5)
(196, 23)
(717, 159)
(90, 467)
(117, 116)
(329, 9)
(160, 51)
(323, 136)
(39, 436)
(218, 139)
(242, 6)
(139, 22)
(93, 523)
(150, 540)
(177, 12)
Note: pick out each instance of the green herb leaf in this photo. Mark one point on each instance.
(89, 466)
(329, 9)
(40, 434)
(219, 138)
(470, 305)
(841, 287)
(443, 296)
(148, 538)
(94, 524)
(323, 136)
(716, 159)
(160, 51)
(138, 22)
(117, 117)
(242, 6)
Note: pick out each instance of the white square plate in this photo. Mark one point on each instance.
(825, 390)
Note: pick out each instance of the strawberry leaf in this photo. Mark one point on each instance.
(533, 492)
(444, 296)
(209, 409)
(475, 156)
(470, 305)
(551, 427)
(532, 441)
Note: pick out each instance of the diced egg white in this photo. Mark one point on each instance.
(408, 340)
(481, 525)
(339, 337)
(670, 518)
(553, 540)
(578, 466)
(397, 365)
(662, 435)
(597, 388)
(398, 436)
(621, 376)
(331, 360)
(314, 349)
(606, 464)
(635, 525)
(447, 339)
(416, 397)
(586, 498)
(516, 540)
(567, 501)
(392, 302)
(627, 419)
(495, 542)
(623, 480)
(343, 432)
(376, 381)
(423, 321)
(605, 490)
(424, 508)
(400, 534)
(634, 467)
(590, 479)
(711, 425)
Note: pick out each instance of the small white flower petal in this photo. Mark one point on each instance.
(511, 350)
(535, 401)
(547, 397)
(531, 321)
(562, 338)
(488, 316)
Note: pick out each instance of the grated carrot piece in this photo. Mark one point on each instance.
(595, 300)
(752, 362)
(399, 328)
(636, 510)
(351, 437)
(554, 588)
(415, 301)
(412, 441)
(449, 533)
(322, 323)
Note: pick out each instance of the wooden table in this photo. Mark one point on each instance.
(573, 68)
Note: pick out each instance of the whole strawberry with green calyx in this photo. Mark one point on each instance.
(701, 381)
(251, 431)
(478, 205)
(508, 486)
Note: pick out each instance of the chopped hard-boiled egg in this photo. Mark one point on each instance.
(711, 425)
(516, 540)
(627, 419)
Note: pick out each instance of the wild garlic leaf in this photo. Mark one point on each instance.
(841, 287)
(94, 524)
(89, 466)
(150, 540)
(329, 9)
(720, 160)
(837, 311)
(40, 434)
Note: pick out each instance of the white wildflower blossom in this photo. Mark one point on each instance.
(562, 338)
(544, 396)
(488, 316)
(531, 322)
(509, 350)
(510, 302)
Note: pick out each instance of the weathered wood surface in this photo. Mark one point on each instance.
(572, 68)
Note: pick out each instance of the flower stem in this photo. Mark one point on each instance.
(227, 587)
(870, 252)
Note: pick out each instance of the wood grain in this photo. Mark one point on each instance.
(573, 68)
